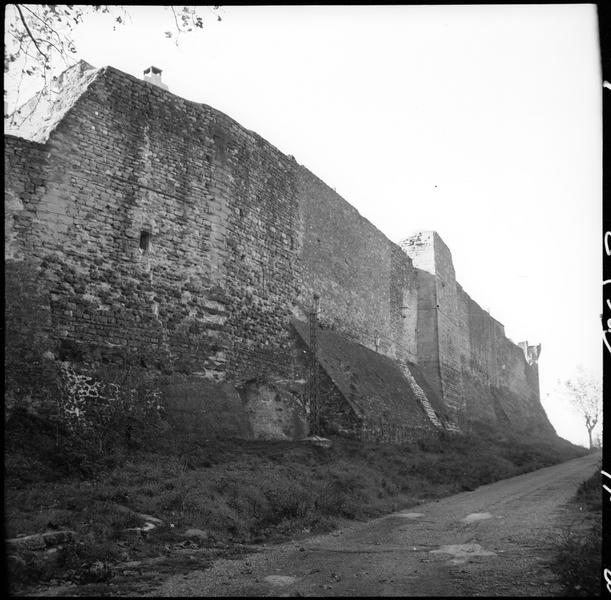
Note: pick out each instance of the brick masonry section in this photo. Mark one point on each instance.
(160, 233)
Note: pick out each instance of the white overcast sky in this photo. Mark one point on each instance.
(480, 122)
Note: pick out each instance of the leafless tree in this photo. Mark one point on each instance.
(585, 392)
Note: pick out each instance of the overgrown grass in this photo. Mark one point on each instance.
(239, 491)
(578, 556)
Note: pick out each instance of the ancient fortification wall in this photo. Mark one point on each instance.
(166, 227)
(160, 234)
(465, 353)
(367, 285)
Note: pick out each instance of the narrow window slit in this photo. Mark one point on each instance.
(145, 242)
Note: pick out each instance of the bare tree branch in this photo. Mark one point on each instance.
(20, 47)
(38, 96)
(20, 79)
(30, 33)
(48, 28)
(177, 25)
(45, 23)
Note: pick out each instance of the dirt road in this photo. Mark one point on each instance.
(491, 541)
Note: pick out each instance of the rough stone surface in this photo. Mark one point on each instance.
(368, 393)
(40, 541)
(273, 412)
(367, 286)
(463, 350)
(198, 534)
(42, 113)
(156, 233)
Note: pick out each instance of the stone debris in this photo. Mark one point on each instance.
(198, 534)
(40, 541)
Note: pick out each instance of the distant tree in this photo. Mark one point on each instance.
(585, 393)
(39, 36)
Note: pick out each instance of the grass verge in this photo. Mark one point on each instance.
(578, 556)
(234, 492)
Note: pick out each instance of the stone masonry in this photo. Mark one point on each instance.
(160, 234)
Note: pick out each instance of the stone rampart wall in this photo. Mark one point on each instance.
(480, 372)
(158, 233)
(167, 228)
(367, 286)
(162, 230)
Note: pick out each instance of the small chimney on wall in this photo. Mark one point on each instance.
(153, 75)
